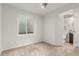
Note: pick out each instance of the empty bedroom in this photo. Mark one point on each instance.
(39, 29)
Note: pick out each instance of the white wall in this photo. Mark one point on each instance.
(76, 22)
(9, 27)
(53, 29)
(54, 25)
(0, 28)
(49, 29)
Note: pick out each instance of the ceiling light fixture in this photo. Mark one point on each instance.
(43, 5)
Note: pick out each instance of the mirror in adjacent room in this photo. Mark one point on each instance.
(25, 25)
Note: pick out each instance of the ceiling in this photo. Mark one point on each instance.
(36, 7)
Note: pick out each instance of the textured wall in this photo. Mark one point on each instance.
(9, 27)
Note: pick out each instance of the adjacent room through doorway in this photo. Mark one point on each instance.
(68, 18)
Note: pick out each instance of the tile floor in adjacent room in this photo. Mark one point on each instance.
(43, 49)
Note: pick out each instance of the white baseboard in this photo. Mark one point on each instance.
(54, 43)
(21, 45)
(50, 42)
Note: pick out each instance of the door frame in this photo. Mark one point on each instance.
(62, 18)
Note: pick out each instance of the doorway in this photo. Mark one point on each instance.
(68, 18)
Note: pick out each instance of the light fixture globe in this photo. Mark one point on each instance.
(43, 5)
